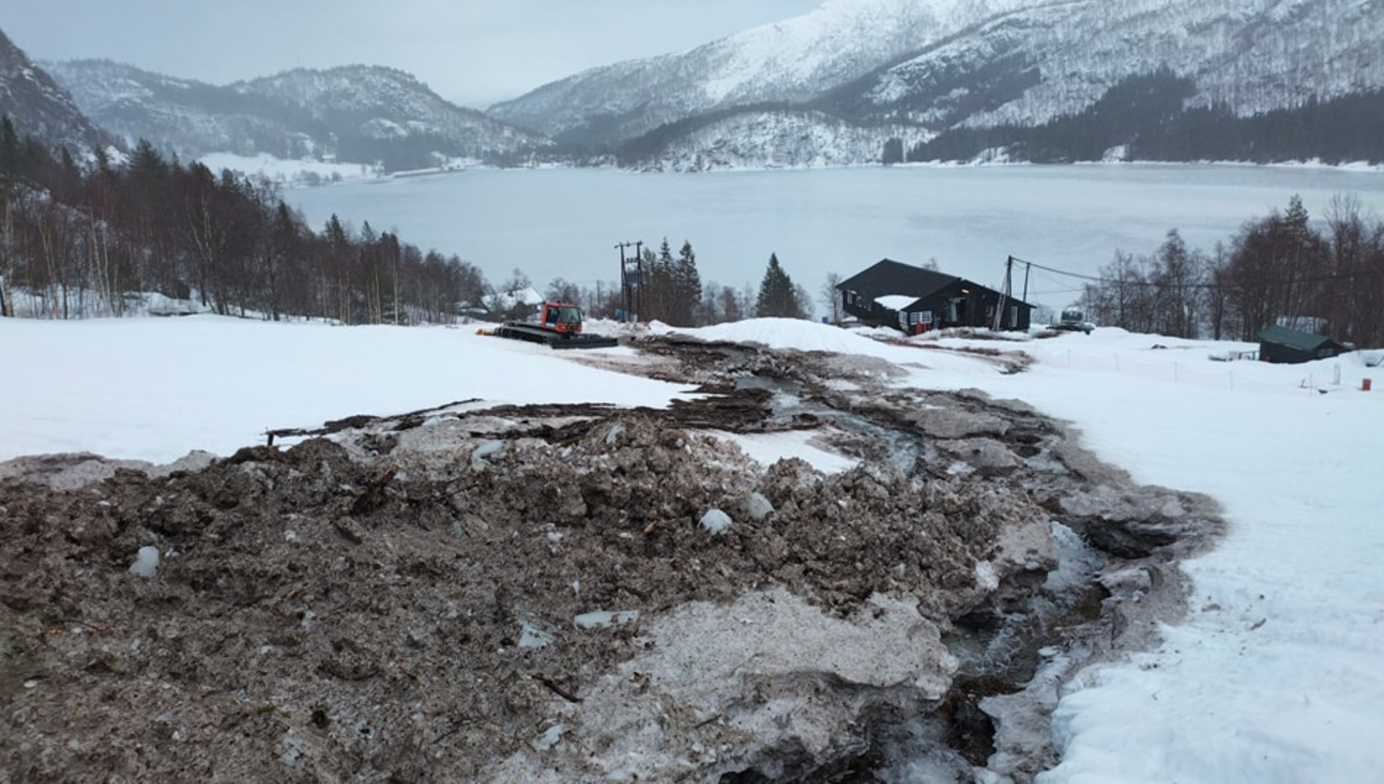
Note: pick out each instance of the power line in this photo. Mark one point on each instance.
(1370, 273)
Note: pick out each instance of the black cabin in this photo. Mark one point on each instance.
(1289, 346)
(916, 300)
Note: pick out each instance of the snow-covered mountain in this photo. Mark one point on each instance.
(1050, 59)
(770, 140)
(38, 106)
(790, 61)
(850, 75)
(356, 113)
(852, 82)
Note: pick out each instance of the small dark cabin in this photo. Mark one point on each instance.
(917, 300)
(1289, 346)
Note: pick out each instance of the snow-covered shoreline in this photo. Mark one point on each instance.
(311, 173)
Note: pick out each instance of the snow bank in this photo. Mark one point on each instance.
(155, 389)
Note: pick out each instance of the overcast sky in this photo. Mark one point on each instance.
(469, 51)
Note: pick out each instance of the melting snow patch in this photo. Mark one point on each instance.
(482, 452)
(531, 635)
(716, 521)
(756, 507)
(614, 434)
(986, 577)
(147, 562)
(600, 619)
(550, 738)
(1076, 561)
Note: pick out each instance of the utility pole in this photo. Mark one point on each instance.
(1007, 293)
(638, 279)
(624, 283)
(631, 281)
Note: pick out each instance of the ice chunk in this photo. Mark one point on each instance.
(531, 635)
(147, 562)
(716, 521)
(482, 452)
(600, 619)
(549, 739)
(756, 507)
(986, 577)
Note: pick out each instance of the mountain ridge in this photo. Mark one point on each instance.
(354, 112)
(1021, 64)
(851, 82)
(38, 106)
(784, 62)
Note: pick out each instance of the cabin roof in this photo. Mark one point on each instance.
(1292, 338)
(889, 278)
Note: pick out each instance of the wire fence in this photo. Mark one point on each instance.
(1232, 376)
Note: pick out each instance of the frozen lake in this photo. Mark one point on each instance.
(566, 222)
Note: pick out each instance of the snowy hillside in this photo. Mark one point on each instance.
(182, 115)
(791, 61)
(357, 113)
(774, 140)
(37, 105)
(940, 65)
(1044, 61)
(389, 104)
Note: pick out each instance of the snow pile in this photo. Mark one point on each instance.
(790, 333)
(147, 562)
(715, 522)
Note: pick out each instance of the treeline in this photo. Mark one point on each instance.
(1145, 116)
(93, 240)
(649, 144)
(669, 289)
(98, 239)
(1279, 269)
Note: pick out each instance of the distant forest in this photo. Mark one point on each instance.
(83, 240)
(1279, 269)
(96, 239)
(1145, 116)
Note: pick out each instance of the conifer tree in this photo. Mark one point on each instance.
(658, 288)
(10, 154)
(688, 287)
(777, 296)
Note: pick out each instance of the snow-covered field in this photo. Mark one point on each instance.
(1276, 675)
(291, 173)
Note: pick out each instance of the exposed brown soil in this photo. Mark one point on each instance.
(398, 603)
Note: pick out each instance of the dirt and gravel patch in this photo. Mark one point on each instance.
(570, 593)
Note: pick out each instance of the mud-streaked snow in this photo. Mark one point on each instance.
(1274, 676)
(155, 389)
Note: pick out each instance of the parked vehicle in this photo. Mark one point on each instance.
(1073, 320)
(559, 326)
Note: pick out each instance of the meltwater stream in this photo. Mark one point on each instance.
(1012, 654)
